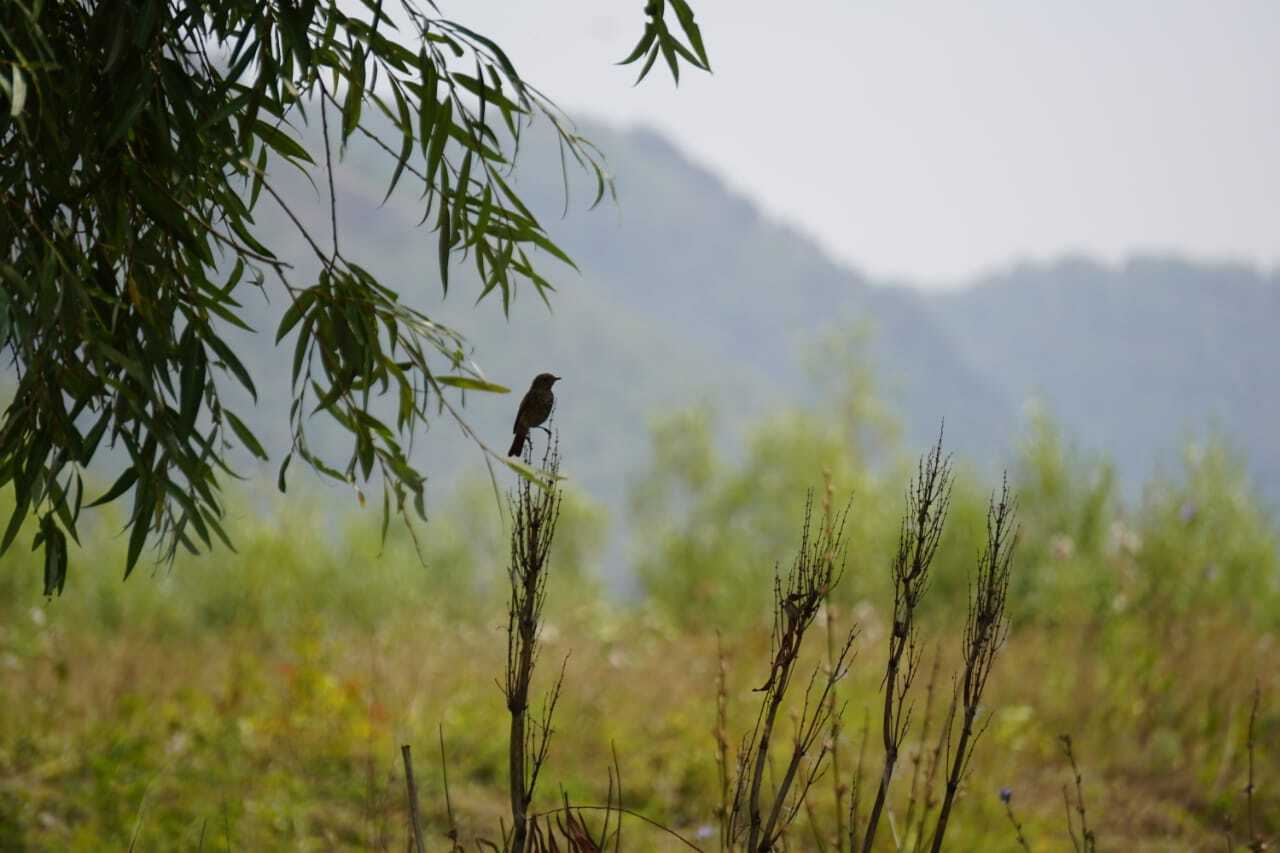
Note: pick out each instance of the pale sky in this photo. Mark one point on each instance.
(931, 142)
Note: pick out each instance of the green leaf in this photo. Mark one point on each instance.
(460, 196)
(15, 524)
(684, 51)
(684, 14)
(355, 93)
(259, 177)
(648, 63)
(142, 93)
(406, 147)
(420, 504)
(294, 313)
(439, 135)
(650, 31)
(428, 106)
(193, 376)
(191, 514)
(478, 88)
(170, 216)
(284, 466)
(328, 398)
(137, 538)
(233, 363)
(130, 366)
(144, 22)
(445, 240)
(91, 441)
(471, 384)
(61, 506)
(364, 450)
(507, 67)
(386, 514)
(293, 23)
(144, 510)
(541, 479)
(546, 245)
(247, 438)
(55, 555)
(122, 484)
(302, 346)
(665, 41)
(280, 141)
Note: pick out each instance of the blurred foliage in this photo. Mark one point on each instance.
(1207, 541)
(257, 700)
(1198, 537)
(298, 565)
(137, 141)
(709, 529)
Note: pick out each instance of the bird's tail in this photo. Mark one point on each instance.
(517, 444)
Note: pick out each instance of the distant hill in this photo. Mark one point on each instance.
(1134, 359)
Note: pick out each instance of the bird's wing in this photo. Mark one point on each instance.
(525, 405)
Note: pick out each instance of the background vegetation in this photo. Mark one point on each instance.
(257, 700)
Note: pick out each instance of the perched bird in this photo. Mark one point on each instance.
(534, 409)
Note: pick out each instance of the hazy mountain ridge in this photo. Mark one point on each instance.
(1134, 358)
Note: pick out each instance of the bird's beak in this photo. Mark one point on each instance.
(555, 379)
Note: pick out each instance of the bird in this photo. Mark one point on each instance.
(534, 409)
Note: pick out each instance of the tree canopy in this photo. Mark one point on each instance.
(137, 138)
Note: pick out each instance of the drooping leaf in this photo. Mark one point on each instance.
(17, 92)
(471, 384)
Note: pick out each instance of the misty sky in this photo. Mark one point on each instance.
(930, 142)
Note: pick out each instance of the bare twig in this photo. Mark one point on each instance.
(797, 600)
(855, 795)
(838, 785)
(452, 834)
(617, 770)
(928, 501)
(1086, 842)
(1071, 830)
(917, 759)
(1006, 797)
(1256, 844)
(985, 631)
(534, 513)
(720, 732)
(415, 820)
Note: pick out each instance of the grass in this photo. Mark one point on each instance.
(293, 741)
